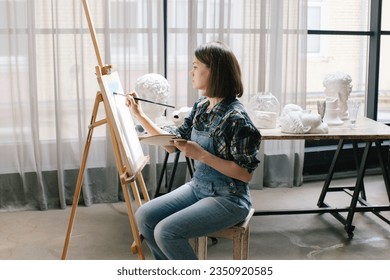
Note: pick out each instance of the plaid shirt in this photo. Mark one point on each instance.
(236, 138)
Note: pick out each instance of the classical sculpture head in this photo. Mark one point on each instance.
(338, 85)
(153, 87)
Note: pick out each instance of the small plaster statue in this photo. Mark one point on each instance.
(338, 84)
(332, 112)
(179, 115)
(264, 109)
(295, 120)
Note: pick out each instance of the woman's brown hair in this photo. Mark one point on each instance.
(225, 72)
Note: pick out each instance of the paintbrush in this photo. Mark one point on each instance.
(145, 100)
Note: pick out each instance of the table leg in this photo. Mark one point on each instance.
(173, 171)
(385, 170)
(358, 188)
(329, 177)
(164, 167)
(357, 164)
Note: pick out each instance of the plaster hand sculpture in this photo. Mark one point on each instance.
(264, 108)
(156, 88)
(295, 120)
(338, 85)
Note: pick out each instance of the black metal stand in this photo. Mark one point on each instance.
(357, 192)
(172, 176)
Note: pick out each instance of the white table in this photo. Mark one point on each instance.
(367, 131)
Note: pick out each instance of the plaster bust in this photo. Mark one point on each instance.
(294, 119)
(153, 87)
(338, 84)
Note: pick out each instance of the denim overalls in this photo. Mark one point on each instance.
(209, 182)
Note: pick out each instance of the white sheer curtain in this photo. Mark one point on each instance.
(48, 88)
(269, 39)
(48, 83)
(284, 74)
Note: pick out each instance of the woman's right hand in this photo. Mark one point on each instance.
(133, 104)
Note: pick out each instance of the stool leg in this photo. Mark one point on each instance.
(239, 234)
(201, 247)
(245, 245)
(237, 245)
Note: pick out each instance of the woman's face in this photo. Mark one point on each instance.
(200, 75)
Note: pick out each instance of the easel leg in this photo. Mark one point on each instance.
(76, 196)
(137, 244)
(144, 190)
(137, 247)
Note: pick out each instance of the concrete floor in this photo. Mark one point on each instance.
(102, 231)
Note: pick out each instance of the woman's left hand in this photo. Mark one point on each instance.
(228, 167)
(190, 149)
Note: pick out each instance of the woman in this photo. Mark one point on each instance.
(223, 143)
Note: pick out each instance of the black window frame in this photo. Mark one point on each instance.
(319, 154)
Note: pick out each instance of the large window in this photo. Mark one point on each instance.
(52, 63)
(51, 55)
(384, 63)
(350, 36)
(347, 36)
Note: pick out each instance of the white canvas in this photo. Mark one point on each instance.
(124, 121)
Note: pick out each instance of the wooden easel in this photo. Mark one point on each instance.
(127, 176)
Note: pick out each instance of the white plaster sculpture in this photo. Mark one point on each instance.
(294, 119)
(338, 85)
(179, 115)
(156, 88)
(332, 112)
(264, 108)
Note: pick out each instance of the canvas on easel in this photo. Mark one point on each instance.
(122, 117)
(129, 156)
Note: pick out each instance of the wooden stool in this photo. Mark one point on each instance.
(238, 233)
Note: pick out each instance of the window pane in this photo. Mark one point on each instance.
(386, 15)
(63, 13)
(347, 54)
(314, 23)
(351, 15)
(384, 82)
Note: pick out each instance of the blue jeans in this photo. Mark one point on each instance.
(192, 210)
